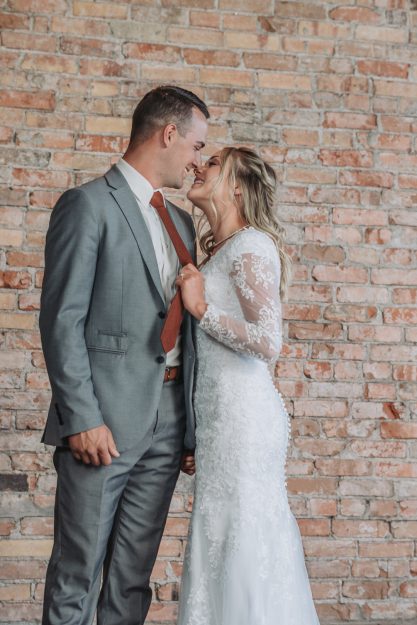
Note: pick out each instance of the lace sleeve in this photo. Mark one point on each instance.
(256, 279)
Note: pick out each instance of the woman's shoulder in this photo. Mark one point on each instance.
(253, 241)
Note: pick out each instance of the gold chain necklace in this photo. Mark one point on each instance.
(229, 236)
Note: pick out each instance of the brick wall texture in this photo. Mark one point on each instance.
(327, 91)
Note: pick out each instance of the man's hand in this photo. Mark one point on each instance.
(95, 446)
(188, 463)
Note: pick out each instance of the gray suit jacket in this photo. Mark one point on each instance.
(102, 311)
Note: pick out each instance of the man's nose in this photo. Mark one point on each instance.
(197, 160)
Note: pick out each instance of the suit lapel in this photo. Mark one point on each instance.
(128, 205)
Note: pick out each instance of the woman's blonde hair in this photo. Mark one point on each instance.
(257, 183)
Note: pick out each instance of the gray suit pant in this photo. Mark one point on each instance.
(110, 520)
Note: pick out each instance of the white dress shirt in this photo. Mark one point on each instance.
(166, 256)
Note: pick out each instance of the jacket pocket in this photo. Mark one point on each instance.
(108, 341)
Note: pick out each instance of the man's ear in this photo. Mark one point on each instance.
(169, 134)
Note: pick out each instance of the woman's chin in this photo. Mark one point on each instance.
(192, 195)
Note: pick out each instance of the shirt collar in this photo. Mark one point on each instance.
(141, 187)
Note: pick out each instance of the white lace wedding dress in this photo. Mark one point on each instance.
(244, 562)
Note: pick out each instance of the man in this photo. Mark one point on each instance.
(121, 413)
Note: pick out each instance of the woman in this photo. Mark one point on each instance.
(244, 563)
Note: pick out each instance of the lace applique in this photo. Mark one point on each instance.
(255, 327)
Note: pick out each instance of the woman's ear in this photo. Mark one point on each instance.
(237, 193)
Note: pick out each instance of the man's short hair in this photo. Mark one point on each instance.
(161, 106)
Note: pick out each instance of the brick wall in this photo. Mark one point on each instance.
(328, 92)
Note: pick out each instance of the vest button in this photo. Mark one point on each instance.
(161, 314)
(160, 359)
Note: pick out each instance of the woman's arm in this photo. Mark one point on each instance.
(256, 279)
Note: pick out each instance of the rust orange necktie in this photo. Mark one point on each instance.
(172, 324)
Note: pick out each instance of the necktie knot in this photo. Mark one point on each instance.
(157, 200)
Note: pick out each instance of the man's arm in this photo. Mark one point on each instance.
(71, 253)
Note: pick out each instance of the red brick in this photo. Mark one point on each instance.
(288, 82)
(366, 589)
(383, 68)
(102, 68)
(377, 370)
(226, 77)
(398, 430)
(318, 370)
(386, 549)
(353, 507)
(39, 178)
(49, 63)
(323, 507)
(408, 589)
(385, 508)
(350, 120)
(103, 9)
(362, 294)
(378, 449)
(88, 47)
(350, 313)
(44, 100)
(314, 527)
(404, 529)
(343, 467)
(366, 179)
(196, 36)
(324, 590)
(306, 330)
(206, 19)
(366, 568)
(193, 56)
(324, 273)
(29, 41)
(355, 14)
(39, 6)
(257, 6)
(400, 315)
(37, 526)
(13, 21)
(378, 33)
(395, 469)
(151, 52)
(307, 485)
(239, 21)
(346, 158)
(263, 60)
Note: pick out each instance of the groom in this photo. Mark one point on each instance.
(121, 413)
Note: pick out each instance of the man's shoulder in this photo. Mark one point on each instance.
(91, 192)
(95, 185)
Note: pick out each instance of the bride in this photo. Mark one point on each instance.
(244, 562)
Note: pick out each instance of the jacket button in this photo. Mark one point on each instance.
(161, 314)
(160, 359)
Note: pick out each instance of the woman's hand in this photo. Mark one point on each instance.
(191, 283)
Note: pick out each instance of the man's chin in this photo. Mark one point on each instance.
(175, 184)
